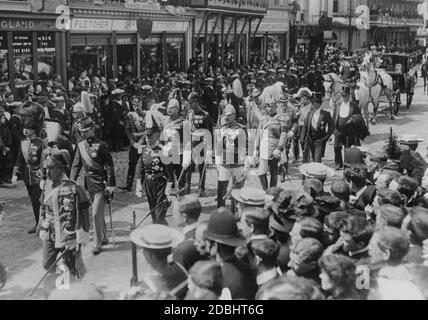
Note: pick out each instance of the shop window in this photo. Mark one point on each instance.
(273, 48)
(96, 60)
(46, 55)
(23, 58)
(126, 61)
(4, 69)
(174, 53)
(336, 6)
(151, 55)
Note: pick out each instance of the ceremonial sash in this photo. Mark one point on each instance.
(87, 158)
(24, 148)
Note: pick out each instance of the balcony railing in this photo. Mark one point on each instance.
(108, 3)
(391, 21)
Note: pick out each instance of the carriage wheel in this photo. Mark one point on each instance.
(397, 102)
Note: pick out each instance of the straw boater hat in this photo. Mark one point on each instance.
(156, 236)
(249, 196)
(410, 139)
(316, 170)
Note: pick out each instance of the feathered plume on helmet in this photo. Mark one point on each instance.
(392, 148)
(33, 116)
(272, 94)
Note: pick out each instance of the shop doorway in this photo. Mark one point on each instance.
(95, 60)
(126, 62)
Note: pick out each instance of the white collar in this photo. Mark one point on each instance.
(189, 227)
(264, 277)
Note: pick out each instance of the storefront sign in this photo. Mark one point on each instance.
(170, 26)
(26, 24)
(98, 41)
(269, 26)
(46, 43)
(103, 25)
(22, 44)
(125, 25)
(233, 5)
(126, 40)
(79, 24)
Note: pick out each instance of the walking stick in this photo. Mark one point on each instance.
(134, 278)
(48, 271)
(202, 176)
(108, 199)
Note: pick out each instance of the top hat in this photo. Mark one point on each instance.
(156, 236)
(222, 228)
(249, 196)
(316, 170)
(354, 158)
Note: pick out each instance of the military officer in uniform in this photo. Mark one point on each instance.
(261, 81)
(29, 162)
(202, 128)
(135, 128)
(93, 155)
(231, 154)
(154, 171)
(64, 218)
(281, 75)
(270, 143)
(176, 137)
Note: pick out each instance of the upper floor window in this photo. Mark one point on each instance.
(336, 6)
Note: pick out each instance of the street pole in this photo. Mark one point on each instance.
(350, 27)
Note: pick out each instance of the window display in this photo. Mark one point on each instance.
(23, 58)
(46, 55)
(94, 60)
(175, 53)
(4, 69)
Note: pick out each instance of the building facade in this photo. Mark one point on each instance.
(31, 46)
(119, 39)
(228, 33)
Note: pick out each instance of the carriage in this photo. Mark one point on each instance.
(402, 68)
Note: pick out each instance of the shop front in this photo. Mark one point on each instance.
(114, 49)
(225, 32)
(31, 50)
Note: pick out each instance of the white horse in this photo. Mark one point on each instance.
(371, 87)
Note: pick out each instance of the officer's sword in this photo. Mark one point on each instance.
(48, 271)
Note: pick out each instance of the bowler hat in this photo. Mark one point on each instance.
(85, 124)
(156, 236)
(280, 224)
(222, 228)
(256, 214)
(327, 204)
(354, 158)
(249, 196)
(283, 204)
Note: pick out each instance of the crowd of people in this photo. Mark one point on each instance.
(272, 243)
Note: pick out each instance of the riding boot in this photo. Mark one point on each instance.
(221, 192)
(263, 181)
(273, 180)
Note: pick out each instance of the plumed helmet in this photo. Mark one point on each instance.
(33, 115)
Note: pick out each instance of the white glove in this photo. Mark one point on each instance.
(15, 181)
(276, 154)
(290, 134)
(136, 145)
(110, 190)
(139, 189)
